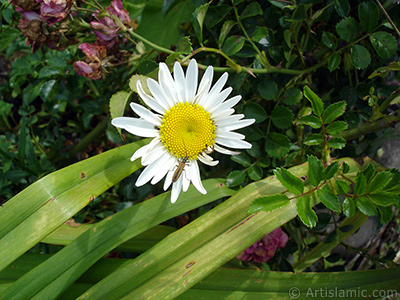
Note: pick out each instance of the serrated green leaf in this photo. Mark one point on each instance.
(316, 102)
(265, 162)
(385, 213)
(255, 111)
(233, 44)
(46, 88)
(242, 159)
(198, 19)
(395, 179)
(360, 187)
(331, 170)
(346, 167)
(255, 150)
(384, 44)
(336, 142)
(292, 96)
(117, 104)
(184, 46)
(277, 145)
(360, 57)
(255, 172)
(263, 36)
(315, 170)
(329, 40)
(342, 7)
(143, 80)
(225, 29)
(235, 178)
(314, 139)
(368, 15)
(310, 120)
(366, 206)
(289, 181)
(336, 127)
(282, 117)
(217, 14)
(268, 203)
(329, 199)
(384, 198)
(306, 213)
(369, 171)
(334, 62)
(333, 111)
(347, 29)
(48, 72)
(349, 207)
(268, 89)
(379, 181)
(342, 187)
(251, 10)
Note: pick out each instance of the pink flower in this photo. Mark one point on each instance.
(92, 66)
(106, 29)
(264, 249)
(54, 11)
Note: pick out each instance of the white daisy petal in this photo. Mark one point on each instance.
(227, 104)
(168, 179)
(215, 90)
(207, 160)
(145, 114)
(158, 93)
(236, 125)
(205, 85)
(221, 115)
(225, 151)
(139, 152)
(191, 81)
(185, 181)
(150, 101)
(238, 144)
(167, 165)
(176, 189)
(147, 174)
(228, 135)
(166, 82)
(195, 177)
(150, 147)
(179, 86)
(212, 106)
(135, 126)
(153, 154)
(230, 120)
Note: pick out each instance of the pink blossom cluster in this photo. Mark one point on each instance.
(264, 249)
(106, 29)
(39, 14)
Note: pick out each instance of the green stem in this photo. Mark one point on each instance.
(147, 42)
(388, 100)
(388, 17)
(366, 128)
(263, 61)
(90, 137)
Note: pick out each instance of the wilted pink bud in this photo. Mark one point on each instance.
(32, 27)
(117, 9)
(264, 249)
(92, 66)
(106, 29)
(54, 11)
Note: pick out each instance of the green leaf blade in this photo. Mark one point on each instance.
(289, 181)
(333, 112)
(329, 199)
(315, 170)
(316, 102)
(306, 213)
(268, 203)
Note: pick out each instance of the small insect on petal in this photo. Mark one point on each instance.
(179, 170)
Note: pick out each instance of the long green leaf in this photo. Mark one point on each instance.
(192, 253)
(49, 279)
(46, 204)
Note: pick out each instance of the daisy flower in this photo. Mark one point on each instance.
(188, 121)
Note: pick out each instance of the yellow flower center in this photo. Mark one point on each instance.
(187, 130)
